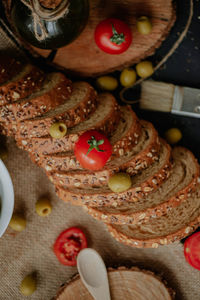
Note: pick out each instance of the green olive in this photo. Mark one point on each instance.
(18, 223)
(58, 130)
(173, 135)
(119, 182)
(144, 69)
(128, 77)
(144, 25)
(28, 285)
(3, 153)
(43, 207)
(107, 83)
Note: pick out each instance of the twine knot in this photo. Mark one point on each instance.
(39, 13)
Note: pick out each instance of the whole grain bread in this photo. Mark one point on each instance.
(104, 119)
(79, 106)
(53, 92)
(9, 67)
(123, 139)
(178, 187)
(176, 224)
(21, 85)
(146, 150)
(142, 184)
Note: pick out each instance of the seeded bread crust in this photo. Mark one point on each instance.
(154, 243)
(15, 66)
(67, 161)
(81, 177)
(155, 211)
(123, 139)
(38, 127)
(37, 104)
(21, 86)
(131, 137)
(99, 198)
(161, 240)
(48, 145)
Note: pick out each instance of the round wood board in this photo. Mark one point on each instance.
(84, 58)
(129, 284)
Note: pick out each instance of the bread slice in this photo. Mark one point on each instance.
(79, 177)
(176, 224)
(104, 119)
(142, 184)
(9, 67)
(124, 138)
(54, 91)
(178, 187)
(81, 103)
(21, 85)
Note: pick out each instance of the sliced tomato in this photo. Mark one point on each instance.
(68, 244)
(92, 150)
(192, 250)
(113, 36)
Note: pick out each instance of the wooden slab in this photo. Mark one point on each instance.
(84, 58)
(125, 284)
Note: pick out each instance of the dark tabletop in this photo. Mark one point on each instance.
(182, 68)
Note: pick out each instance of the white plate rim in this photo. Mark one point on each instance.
(7, 198)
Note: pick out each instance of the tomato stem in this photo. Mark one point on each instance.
(94, 144)
(117, 38)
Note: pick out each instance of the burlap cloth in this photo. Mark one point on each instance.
(31, 250)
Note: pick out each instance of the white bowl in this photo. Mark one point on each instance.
(7, 198)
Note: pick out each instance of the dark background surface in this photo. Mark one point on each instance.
(182, 68)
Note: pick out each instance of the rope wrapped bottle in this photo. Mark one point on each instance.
(49, 28)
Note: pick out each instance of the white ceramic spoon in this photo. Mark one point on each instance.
(93, 274)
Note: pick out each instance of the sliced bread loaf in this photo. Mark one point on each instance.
(9, 67)
(178, 187)
(176, 224)
(54, 91)
(104, 119)
(146, 151)
(142, 184)
(123, 139)
(21, 85)
(81, 103)
(127, 133)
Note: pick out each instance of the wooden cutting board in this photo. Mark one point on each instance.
(84, 58)
(125, 284)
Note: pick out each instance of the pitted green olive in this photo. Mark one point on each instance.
(17, 223)
(128, 77)
(173, 135)
(144, 69)
(43, 207)
(119, 182)
(107, 83)
(58, 130)
(3, 153)
(144, 25)
(28, 285)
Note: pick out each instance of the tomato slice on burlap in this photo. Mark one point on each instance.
(192, 250)
(68, 244)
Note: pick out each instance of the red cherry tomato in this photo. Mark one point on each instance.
(68, 244)
(192, 250)
(92, 150)
(113, 36)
